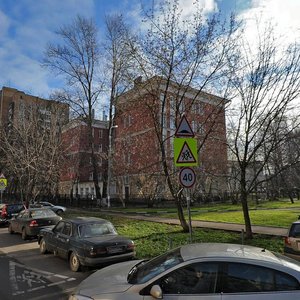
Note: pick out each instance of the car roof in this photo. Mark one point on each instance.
(84, 220)
(37, 208)
(233, 251)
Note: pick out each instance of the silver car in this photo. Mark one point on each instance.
(213, 271)
(56, 208)
(292, 241)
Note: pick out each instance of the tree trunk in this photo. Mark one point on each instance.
(246, 214)
(183, 223)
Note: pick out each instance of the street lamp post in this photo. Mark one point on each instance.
(109, 162)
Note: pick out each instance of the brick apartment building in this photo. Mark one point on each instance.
(15, 103)
(137, 157)
(76, 177)
(36, 125)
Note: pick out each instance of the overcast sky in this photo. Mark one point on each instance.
(26, 26)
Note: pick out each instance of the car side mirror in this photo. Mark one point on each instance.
(156, 292)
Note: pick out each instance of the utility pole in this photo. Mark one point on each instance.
(109, 162)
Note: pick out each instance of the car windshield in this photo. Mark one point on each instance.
(145, 271)
(96, 229)
(43, 213)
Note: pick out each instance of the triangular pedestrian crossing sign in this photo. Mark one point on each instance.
(186, 155)
(184, 129)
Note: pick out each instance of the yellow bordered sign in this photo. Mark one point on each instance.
(3, 183)
(185, 152)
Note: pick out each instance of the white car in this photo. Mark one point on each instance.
(56, 208)
(207, 271)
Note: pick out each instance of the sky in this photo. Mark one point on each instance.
(26, 26)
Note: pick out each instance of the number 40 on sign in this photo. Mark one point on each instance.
(187, 177)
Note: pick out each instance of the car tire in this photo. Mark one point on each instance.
(74, 262)
(43, 247)
(24, 234)
(10, 229)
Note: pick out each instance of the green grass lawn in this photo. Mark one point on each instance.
(267, 213)
(152, 239)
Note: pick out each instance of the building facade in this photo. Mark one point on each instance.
(76, 176)
(16, 105)
(146, 119)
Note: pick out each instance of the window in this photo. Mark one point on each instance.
(127, 121)
(100, 161)
(295, 230)
(100, 133)
(250, 278)
(127, 158)
(67, 229)
(197, 127)
(126, 179)
(285, 282)
(197, 108)
(193, 279)
(91, 176)
(59, 227)
(100, 148)
(144, 272)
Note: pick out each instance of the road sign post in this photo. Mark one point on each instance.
(3, 185)
(187, 177)
(186, 156)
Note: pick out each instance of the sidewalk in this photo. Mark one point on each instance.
(268, 230)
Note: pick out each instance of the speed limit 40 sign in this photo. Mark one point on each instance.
(187, 177)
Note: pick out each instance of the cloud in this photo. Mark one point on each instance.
(284, 16)
(4, 25)
(188, 7)
(26, 28)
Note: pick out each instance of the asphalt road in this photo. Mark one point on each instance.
(26, 274)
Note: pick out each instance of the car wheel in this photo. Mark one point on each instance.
(59, 212)
(74, 262)
(10, 229)
(24, 234)
(43, 247)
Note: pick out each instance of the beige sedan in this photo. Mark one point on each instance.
(213, 271)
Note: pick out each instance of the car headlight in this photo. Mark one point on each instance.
(79, 297)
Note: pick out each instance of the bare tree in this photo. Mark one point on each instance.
(265, 83)
(283, 165)
(182, 54)
(32, 151)
(118, 74)
(77, 58)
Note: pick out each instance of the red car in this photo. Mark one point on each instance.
(7, 211)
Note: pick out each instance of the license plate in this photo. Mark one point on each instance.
(112, 250)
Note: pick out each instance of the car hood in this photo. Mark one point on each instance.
(112, 279)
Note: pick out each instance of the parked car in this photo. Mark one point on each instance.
(56, 208)
(212, 271)
(87, 242)
(30, 221)
(292, 241)
(8, 211)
